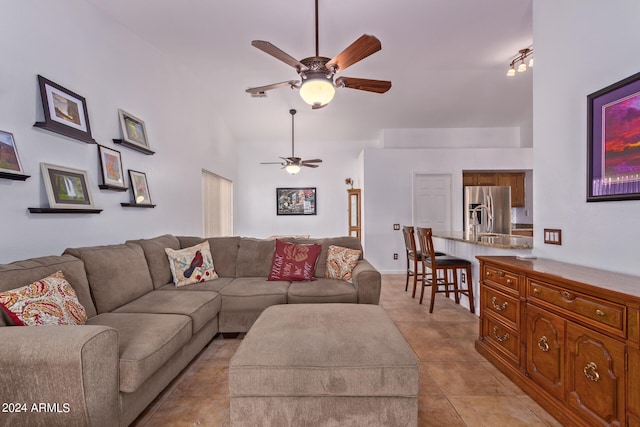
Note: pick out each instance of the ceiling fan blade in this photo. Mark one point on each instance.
(262, 89)
(317, 107)
(356, 51)
(270, 163)
(277, 53)
(312, 161)
(378, 86)
(308, 165)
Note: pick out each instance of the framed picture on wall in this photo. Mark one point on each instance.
(134, 133)
(9, 159)
(66, 187)
(613, 116)
(65, 112)
(139, 188)
(296, 201)
(111, 168)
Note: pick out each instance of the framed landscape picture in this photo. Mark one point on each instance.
(134, 132)
(613, 116)
(65, 112)
(66, 187)
(9, 158)
(139, 188)
(111, 168)
(296, 201)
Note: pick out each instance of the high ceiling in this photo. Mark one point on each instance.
(447, 60)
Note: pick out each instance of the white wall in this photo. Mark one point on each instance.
(74, 45)
(255, 191)
(581, 46)
(388, 175)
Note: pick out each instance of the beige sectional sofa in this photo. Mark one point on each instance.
(141, 329)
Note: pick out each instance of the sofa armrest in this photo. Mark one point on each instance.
(367, 281)
(59, 376)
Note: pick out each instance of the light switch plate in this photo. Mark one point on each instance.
(553, 236)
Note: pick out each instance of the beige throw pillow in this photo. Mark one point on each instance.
(191, 265)
(341, 262)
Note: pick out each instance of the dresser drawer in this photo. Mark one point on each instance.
(501, 305)
(501, 337)
(603, 312)
(501, 277)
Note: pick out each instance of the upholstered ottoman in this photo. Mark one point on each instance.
(324, 365)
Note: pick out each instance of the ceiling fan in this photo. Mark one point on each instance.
(316, 73)
(292, 164)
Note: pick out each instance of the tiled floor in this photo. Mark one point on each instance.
(458, 387)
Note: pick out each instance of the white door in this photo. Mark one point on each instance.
(217, 205)
(432, 201)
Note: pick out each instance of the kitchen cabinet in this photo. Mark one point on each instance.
(575, 335)
(515, 180)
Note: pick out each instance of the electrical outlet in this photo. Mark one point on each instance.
(463, 277)
(396, 227)
(553, 236)
(395, 256)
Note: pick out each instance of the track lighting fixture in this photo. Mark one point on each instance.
(518, 61)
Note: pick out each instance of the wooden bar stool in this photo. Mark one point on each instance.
(444, 272)
(415, 266)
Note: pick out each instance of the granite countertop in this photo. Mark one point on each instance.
(493, 240)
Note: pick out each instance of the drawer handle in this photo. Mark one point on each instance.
(591, 372)
(537, 291)
(488, 274)
(566, 294)
(500, 273)
(494, 302)
(543, 344)
(600, 313)
(509, 282)
(502, 338)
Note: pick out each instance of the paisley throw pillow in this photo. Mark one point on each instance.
(341, 262)
(50, 301)
(191, 265)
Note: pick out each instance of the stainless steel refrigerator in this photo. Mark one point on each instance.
(487, 209)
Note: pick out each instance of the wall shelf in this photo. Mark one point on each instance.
(133, 146)
(66, 131)
(112, 187)
(134, 205)
(63, 211)
(14, 176)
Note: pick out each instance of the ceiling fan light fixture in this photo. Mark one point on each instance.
(317, 91)
(292, 168)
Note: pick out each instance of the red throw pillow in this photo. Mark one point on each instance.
(294, 262)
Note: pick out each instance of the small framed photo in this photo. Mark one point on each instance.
(65, 112)
(111, 168)
(66, 187)
(9, 158)
(296, 201)
(613, 168)
(139, 188)
(134, 132)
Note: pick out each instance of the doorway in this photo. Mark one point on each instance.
(432, 201)
(217, 205)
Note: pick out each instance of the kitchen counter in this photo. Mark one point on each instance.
(492, 240)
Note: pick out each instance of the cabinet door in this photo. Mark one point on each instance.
(545, 350)
(469, 178)
(516, 182)
(487, 178)
(595, 376)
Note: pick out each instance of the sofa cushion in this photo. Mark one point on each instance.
(21, 273)
(157, 258)
(200, 306)
(341, 262)
(253, 293)
(321, 291)
(49, 301)
(344, 241)
(223, 249)
(117, 274)
(294, 262)
(254, 257)
(191, 265)
(146, 341)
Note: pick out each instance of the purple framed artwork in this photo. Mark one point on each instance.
(613, 117)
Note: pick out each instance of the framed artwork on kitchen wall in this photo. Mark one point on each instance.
(613, 133)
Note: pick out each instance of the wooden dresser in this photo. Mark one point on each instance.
(569, 336)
